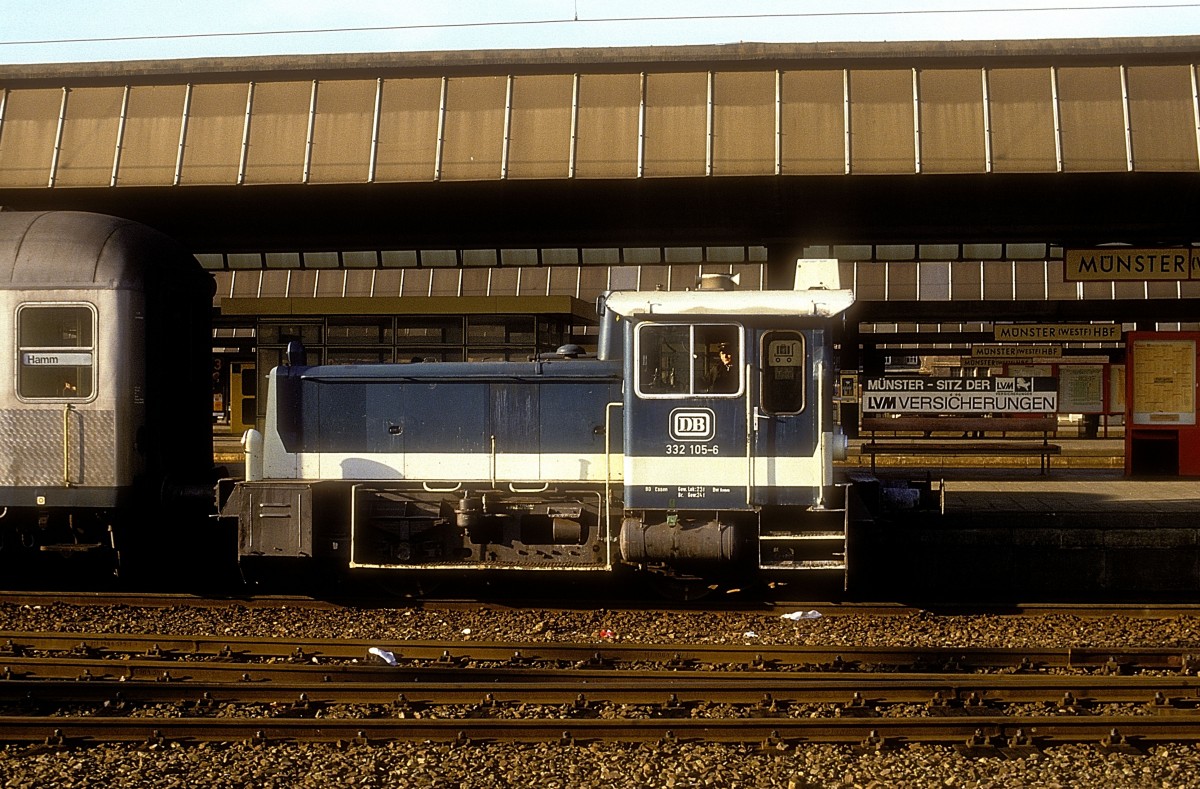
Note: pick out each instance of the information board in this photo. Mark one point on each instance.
(927, 394)
(1057, 332)
(1027, 370)
(1116, 388)
(1164, 382)
(1007, 352)
(1125, 263)
(1081, 388)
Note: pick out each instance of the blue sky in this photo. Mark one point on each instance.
(152, 29)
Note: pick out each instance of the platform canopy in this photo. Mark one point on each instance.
(1060, 140)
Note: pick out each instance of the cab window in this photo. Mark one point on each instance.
(55, 351)
(783, 372)
(684, 360)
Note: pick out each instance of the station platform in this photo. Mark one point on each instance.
(227, 450)
(1077, 453)
(1088, 477)
(999, 532)
(1096, 453)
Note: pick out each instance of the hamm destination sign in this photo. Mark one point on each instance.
(927, 394)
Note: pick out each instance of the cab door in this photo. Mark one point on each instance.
(787, 419)
(686, 414)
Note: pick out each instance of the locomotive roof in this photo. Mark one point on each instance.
(50, 249)
(814, 302)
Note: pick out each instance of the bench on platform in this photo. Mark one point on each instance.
(972, 435)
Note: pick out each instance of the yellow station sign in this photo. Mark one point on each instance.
(1122, 263)
(1007, 352)
(1057, 332)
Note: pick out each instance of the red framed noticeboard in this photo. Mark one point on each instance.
(1162, 434)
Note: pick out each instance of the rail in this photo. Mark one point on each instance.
(15, 644)
(97, 680)
(169, 698)
(985, 735)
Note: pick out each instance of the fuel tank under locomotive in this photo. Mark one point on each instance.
(680, 539)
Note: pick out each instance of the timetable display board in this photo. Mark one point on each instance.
(1081, 388)
(1116, 388)
(1036, 370)
(1162, 386)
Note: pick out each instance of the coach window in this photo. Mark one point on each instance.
(55, 351)
(687, 360)
(783, 372)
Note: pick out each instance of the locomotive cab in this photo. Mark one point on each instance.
(729, 430)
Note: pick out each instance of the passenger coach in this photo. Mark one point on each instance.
(103, 385)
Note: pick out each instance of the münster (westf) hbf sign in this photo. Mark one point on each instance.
(1131, 264)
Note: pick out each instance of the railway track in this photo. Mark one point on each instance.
(748, 602)
(459, 653)
(999, 733)
(71, 681)
(59, 690)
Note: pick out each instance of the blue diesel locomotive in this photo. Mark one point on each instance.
(698, 442)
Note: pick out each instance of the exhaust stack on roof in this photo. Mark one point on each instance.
(718, 282)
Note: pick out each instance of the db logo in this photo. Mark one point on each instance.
(693, 424)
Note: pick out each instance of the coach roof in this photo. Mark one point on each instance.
(49, 249)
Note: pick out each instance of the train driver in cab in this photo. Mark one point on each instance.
(724, 377)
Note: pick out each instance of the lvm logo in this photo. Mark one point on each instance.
(1014, 384)
(693, 424)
